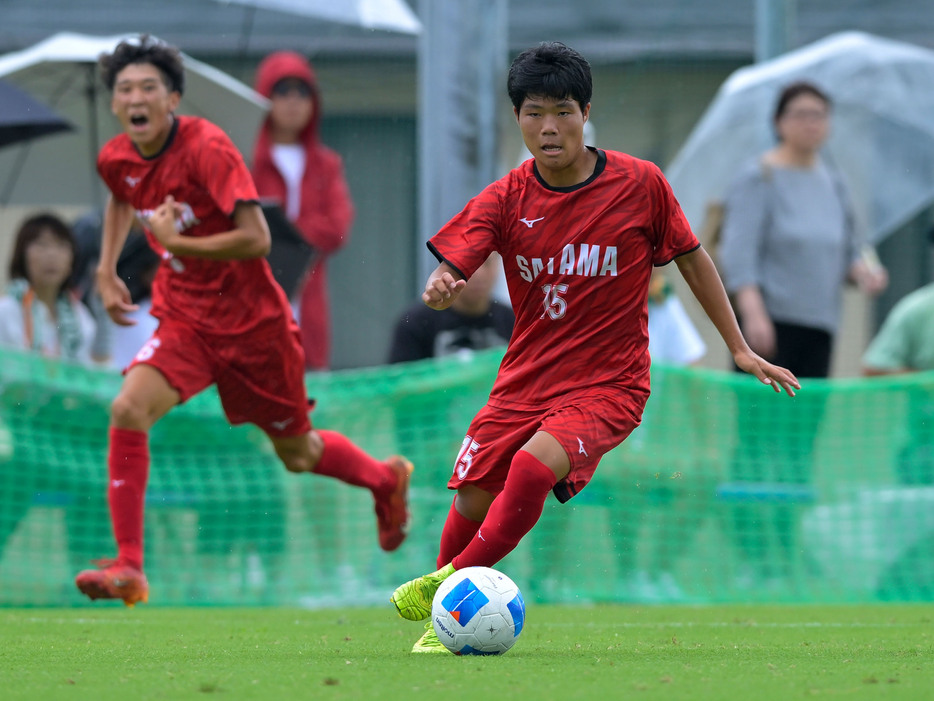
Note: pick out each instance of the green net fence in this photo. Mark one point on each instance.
(725, 493)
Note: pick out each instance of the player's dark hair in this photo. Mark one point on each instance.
(550, 69)
(30, 230)
(146, 49)
(796, 89)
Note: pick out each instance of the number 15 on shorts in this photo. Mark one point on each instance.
(465, 457)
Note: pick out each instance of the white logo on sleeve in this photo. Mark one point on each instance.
(280, 425)
(529, 222)
(580, 449)
(131, 181)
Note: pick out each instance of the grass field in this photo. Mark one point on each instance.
(601, 653)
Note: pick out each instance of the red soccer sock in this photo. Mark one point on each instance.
(458, 532)
(512, 514)
(345, 461)
(128, 465)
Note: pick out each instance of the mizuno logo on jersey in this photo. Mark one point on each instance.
(581, 259)
(131, 181)
(529, 222)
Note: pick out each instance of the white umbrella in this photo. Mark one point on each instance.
(61, 71)
(392, 15)
(882, 129)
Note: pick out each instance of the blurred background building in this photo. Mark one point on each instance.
(388, 94)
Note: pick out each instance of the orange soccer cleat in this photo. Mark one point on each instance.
(114, 581)
(392, 511)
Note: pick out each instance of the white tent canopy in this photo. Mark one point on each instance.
(61, 71)
(882, 128)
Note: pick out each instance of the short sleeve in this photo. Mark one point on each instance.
(469, 238)
(673, 235)
(109, 169)
(224, 174)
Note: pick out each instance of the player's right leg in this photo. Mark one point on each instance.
(332, 454)
(144, 397)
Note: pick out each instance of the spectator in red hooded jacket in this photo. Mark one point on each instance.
(293, 167)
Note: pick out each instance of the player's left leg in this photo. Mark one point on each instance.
(144, 397)
(331, 454)
(533, 472)
(511, 515)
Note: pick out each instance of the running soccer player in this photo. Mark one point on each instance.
(579, 230)
(222, 318)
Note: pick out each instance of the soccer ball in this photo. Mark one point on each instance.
(478, 611)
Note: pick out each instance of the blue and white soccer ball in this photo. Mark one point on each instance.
(478, 611)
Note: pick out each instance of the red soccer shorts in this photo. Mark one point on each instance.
(260, 377)
(587, 425)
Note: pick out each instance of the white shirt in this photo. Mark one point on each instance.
(13, 331)
(673, 339)
(290, 160)
(127, 340)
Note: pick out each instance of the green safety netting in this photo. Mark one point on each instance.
(727, 492)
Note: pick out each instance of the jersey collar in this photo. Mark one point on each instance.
(598, 169)
(168, 142)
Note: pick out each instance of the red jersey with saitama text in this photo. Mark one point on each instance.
(205, 173)
(577, 262)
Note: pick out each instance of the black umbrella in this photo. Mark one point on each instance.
(22, 117)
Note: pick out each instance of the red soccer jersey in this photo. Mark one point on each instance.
(202, 169)
(577, 261)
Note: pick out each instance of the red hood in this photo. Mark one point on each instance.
(288, 64)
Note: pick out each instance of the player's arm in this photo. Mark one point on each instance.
(118, 219)
(443, 287)
(701, 276)
(250, 238)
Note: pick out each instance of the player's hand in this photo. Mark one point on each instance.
(116, 298)
(441, 291)
(162, 223)
(766, 372)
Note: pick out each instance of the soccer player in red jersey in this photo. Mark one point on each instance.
(222, 318)
(579, 230)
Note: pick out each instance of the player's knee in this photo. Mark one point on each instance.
(296, 462)
(295, 465)
(472, 502)
(300, 453)
(127, 412)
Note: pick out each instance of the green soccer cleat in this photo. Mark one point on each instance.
(429, 641)
(413, 599)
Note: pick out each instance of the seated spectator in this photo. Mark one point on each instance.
(137, 267)
(39, 311)
(905, 343)
(475, 321)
